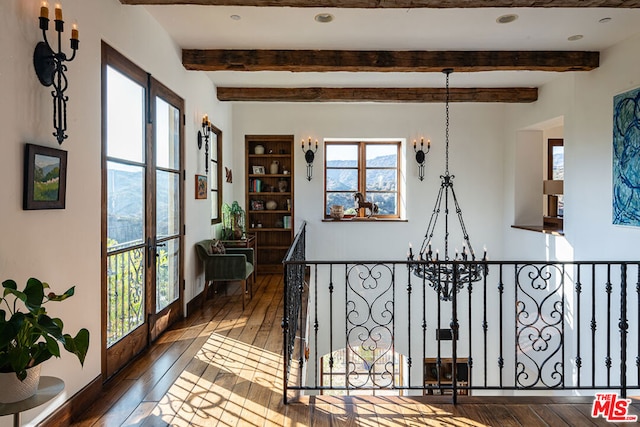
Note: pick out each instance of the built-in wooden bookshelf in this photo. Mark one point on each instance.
(269, 197)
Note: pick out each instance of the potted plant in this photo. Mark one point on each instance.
(28, 336)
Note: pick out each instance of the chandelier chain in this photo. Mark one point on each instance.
(446, 132)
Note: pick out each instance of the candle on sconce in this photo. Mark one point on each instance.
(74, 31)
(44, 10)
(428, 144)
(316, 144)
(414, 144)
(58, 12)
(410, 251)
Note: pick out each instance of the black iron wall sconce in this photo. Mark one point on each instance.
(50, 67)
(206, 134)
(421, 156)
(309, 156)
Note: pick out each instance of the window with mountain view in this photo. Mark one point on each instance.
(371, 168)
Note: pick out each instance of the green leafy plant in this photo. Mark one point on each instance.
(30, 337)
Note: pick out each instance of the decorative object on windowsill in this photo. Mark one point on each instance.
(309, 156)
(336, 212)
(233, 221)
(364, 208)
(206, 134)
(421, 156)
(448, 277)
(50, 67)
(31, 337)
(553, 188)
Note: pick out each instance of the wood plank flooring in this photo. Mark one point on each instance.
(223, 367)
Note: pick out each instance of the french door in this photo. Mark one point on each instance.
(142, 197)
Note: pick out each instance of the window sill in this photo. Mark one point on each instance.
(372, 219)
(541, 229)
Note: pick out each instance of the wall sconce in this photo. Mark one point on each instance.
(205, 133)
(309, 156)
(50, 67)
(421, 156)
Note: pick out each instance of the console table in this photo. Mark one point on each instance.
(48, 388)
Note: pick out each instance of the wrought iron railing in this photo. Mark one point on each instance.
(525, 328)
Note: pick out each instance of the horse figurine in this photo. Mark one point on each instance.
(361, 203)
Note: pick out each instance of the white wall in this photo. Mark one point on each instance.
(63, 246)
(475, 159)
(585, 100)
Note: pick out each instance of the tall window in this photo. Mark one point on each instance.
(370, 168)
(555, 167)
(215, 174)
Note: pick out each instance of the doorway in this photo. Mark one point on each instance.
(142, 209)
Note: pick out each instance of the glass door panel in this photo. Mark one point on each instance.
(125, 206)
(168, 208)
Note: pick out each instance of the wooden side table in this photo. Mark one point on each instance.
(249, 242)
(48, 388)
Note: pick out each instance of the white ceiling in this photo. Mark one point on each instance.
(211, 27)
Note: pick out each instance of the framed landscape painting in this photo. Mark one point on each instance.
(45, 178)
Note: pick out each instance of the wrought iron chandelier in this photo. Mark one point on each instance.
(447, 277)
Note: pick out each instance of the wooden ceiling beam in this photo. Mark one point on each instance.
(333, 94)
(398, 4)
(386, 61)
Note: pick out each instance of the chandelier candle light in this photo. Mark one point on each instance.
(450, 275)
(50, 67)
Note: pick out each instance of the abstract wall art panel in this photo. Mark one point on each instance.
(626, 158)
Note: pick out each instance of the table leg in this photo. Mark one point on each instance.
(16, 419)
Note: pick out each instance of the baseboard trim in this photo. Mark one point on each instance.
(76, 405)
(196, 302)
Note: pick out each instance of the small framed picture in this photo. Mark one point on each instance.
(45, 178)
(201, 186)
(258, 170)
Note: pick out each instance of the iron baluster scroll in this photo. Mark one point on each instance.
(539, 325)
(369, 326)
(50, 68)
(452, 274)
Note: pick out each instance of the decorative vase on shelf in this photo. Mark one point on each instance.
(273, 168)
(259, 149)
(272, 205)
(283, 185)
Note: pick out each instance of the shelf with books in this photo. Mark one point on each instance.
(269, 197)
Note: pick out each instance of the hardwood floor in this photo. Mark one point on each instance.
(223, 367)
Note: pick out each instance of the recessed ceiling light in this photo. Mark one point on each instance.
(605, 20)
(505, 19)
(575, 37)
(235, 17)
(323, 18)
